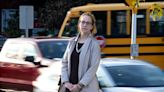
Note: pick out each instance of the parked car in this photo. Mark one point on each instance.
(127, 75)
(22, 59)
(2, 41)
(17, 75)
(114, 75)
(48, 80)
(43, 51)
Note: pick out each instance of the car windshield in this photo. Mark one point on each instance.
(136, 76)
(2, 40)
(53, 49)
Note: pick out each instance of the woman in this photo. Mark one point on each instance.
(81, 59)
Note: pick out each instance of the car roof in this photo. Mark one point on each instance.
(36, 39)
(123, 61)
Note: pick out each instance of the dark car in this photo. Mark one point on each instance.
(2, 41)
(22, 59)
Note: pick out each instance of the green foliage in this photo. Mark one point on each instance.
(52, 13)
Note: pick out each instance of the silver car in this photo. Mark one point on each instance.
(114, 75)
(127, 75)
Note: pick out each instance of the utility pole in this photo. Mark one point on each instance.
(133, 4)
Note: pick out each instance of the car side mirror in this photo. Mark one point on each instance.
(29, 59)
(32, 60)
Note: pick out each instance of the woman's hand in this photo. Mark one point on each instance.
(75, 88)
(68, 85)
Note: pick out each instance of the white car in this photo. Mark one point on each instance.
(22, 58)
(44, 50)
(127, 75)
(49, 78)
(114, 75)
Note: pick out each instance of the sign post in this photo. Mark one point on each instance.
(133, 4)
(26, 18)
(134, 51)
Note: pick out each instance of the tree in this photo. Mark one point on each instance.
(52, 13)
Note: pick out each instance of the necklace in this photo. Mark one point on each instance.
(78, 50)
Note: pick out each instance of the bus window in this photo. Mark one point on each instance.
(157, 27)
(141, 22)
(118, 23)
(71, 28)
(100, 22)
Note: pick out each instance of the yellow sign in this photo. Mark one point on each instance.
(134, 4)
(156, 12)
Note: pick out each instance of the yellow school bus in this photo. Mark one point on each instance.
(114, 24)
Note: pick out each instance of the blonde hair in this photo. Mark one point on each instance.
(93, 31)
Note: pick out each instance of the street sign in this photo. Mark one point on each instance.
(134, 49)
(26, 18)
(101, 41)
